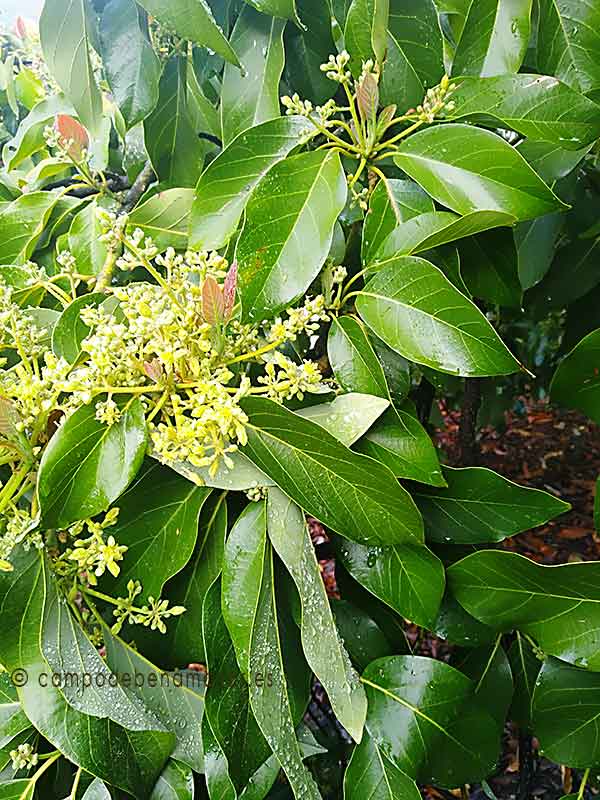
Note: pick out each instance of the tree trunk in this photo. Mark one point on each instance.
(467, 434)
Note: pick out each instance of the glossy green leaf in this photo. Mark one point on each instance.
(232, 753)
(242, 476)
(395, 368)
(269, 697)
(173, 146)
(365, 32)
(362, 637)
(536, 242)
(557, 606)
(434, 229)
(489, 668)
(192, 19)
(190, 586)
(178, 705)
(227, 183)
(455, 625)
(551, 161)
(494, 38)
(242, 578)
(489, 267)
(276, 8)
(414, 60)
(96, 791)
(423, 717)
(576, 382)
(408, 579)
(536, 106)
(353, 494)
(165, 218)
(347, 417)
(176, 782)
(525, 664)
(415, 309)
(251, 96)
(400, 442)
(479, 505)
(569, 42)
(85, 244)
(22, 223)
(392, 202)
(566, 704)
(132, 67)
(299, 200)
(12, 718)
(158, 523)
(14, 790)
(306, 49)
(29, 138)
(353, 360)
(322, 647)
(469, 169)
(87, 464)
(371, 774)
(89, 739)
(69, 331)
(573, 273)
(66, 36)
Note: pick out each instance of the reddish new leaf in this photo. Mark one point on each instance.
(213, 301)
(73, 135)
(229, 288)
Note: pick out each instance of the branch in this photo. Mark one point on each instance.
(141, 183)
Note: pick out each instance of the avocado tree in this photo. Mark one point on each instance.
(243, 248)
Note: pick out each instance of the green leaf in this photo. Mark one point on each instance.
(409, 580)
(252, 96)
(227, 183)
(232, 753)
(348, 416)
(66, 35)
(22, 223)
(434, 229)
(481, 506)
(165, 218)
(96, 791)
(322, 647)
(557, 606)
(469, 169)
(573, 273)
(489, 267)
(173, 146)
(395, 368)
(242, 476)
(176, 782)
(363, 638)
(158, 523)
(242, 577)
(536, 106)
(132, 67)
(414, 60)
(353, 360)
(29, 138)
(569, 42)
(12, 718)
(576, 382)
(90, 739)
(190, 586)
(85, 244)
(87, 465)
(566, 704)
(69, 331)
(371, 774)
(174, 703)
(365, 33)
(392, 203)
(415, 309)
(192, 19)
(456, 626)
(494, 38)
(489, 669)
(551, 161)
(298, 201)
(306, 49)
(536, 246)
(525, 665)
(350, 493)
(269, 697)
(276, 8)
(400, 442)
(422, 715)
